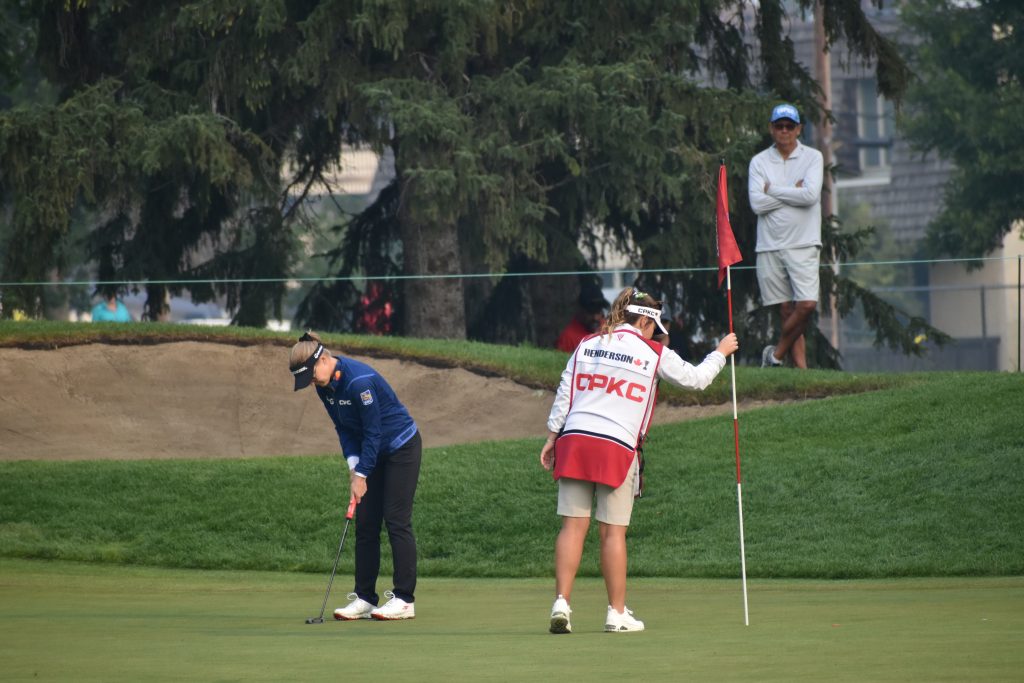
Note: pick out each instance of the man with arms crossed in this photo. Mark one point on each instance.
(785, 192)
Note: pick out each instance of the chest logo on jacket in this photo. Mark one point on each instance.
(340, 401)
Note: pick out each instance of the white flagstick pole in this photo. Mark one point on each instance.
(736, 439)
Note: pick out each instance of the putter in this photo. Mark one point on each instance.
(341, 544)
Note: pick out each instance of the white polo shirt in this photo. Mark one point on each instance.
(788, 217)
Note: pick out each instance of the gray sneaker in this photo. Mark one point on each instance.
(768, 357)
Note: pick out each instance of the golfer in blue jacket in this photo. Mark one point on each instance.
(382, 445)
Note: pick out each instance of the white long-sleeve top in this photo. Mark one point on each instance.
(671, 368)
(788, 217)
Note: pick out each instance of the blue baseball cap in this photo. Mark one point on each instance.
(785, 111)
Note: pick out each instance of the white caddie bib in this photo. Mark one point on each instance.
(612, 399)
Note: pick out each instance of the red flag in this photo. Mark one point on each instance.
(728, 251)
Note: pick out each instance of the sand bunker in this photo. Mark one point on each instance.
(205, 400)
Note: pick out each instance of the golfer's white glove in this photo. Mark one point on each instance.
(353, 460)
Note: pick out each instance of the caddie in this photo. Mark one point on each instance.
(597, 423)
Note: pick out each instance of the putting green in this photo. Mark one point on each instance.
(62, 621)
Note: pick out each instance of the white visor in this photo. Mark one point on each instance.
(652, 313)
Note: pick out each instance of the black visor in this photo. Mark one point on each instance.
(304, 373)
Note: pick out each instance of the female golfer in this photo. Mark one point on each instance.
(382, 446)
(597, 424)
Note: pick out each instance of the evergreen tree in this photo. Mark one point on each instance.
(135, 139)
(525, 131)
(528, 133)
(195, 130)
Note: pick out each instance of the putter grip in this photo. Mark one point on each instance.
(351, 508)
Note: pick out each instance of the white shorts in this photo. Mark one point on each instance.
(789, 275)
(614, 506)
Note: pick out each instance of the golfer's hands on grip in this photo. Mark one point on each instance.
(547, 454)
(728, 345)
(357, 485)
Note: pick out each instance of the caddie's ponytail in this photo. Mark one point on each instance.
(628, 296)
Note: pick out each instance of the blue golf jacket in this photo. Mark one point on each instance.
(369, 418)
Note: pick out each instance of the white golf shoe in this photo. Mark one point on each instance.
(560, 616)
(622, 622)
(394, 608)
(357, 609)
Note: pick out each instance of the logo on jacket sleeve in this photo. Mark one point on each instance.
(366, 397)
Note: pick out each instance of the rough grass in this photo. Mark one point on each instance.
(921, 480)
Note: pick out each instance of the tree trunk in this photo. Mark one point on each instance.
(55, 300)
(158, 304)
(432, 306)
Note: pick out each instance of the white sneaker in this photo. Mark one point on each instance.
(621, 623)
(560, 616)
(357, 609)
(394, 608)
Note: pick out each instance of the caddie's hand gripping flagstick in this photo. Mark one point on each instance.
(728, 254)
(341, 544)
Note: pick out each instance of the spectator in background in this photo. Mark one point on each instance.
(785, 192)
(111, 310)
(374, 311)
(588, 319)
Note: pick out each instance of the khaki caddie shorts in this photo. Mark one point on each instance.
(789, 275)
(614, 506)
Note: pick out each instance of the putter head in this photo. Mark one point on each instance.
(315, 620)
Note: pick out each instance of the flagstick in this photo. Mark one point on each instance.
(736, 439)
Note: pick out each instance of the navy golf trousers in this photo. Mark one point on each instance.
(390, 490)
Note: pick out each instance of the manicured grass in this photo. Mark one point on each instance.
(534, 367)
(921, 480)
(61, 622)
(918, 481)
